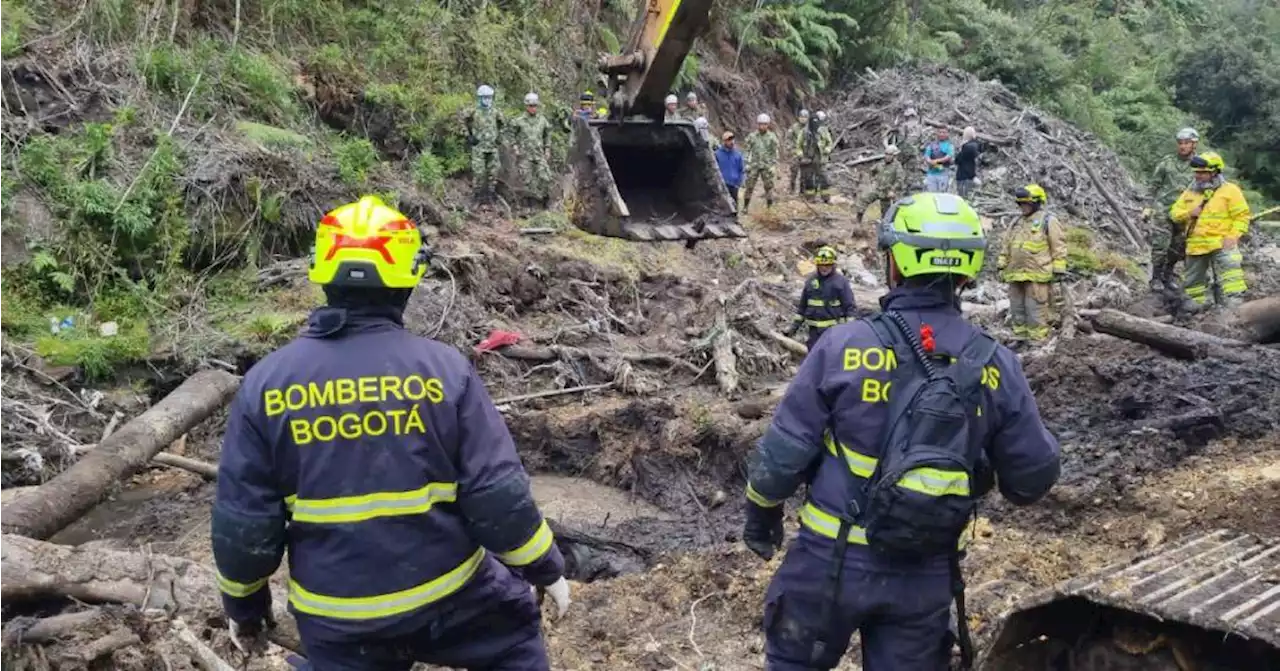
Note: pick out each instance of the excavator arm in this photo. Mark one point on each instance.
(636, 175)
(661, 38)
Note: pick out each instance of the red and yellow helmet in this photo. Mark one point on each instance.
(368, 244)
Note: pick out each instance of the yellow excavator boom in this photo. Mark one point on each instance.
(640, 176)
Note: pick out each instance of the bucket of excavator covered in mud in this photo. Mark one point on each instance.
(1208, 602)
(645, 181)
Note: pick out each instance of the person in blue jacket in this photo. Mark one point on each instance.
(832, 417)
(732, 165)
(377, 459)
(825, 300)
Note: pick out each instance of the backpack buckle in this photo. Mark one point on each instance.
(851, 512)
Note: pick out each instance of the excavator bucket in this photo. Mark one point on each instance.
(648, 181)
(1211, 601)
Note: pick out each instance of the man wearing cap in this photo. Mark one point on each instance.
(732, 165)
(1168, 239)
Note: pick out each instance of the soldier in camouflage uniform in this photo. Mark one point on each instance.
(1168, 240)
(793, 137)
(484, 127)
(692, 109)
(891, 181)
(762, 161)
(532, 143)
(672, 104)
(811, 152)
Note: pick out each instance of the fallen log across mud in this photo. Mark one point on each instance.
(71, 494)
(35, 569)
(1173, 340)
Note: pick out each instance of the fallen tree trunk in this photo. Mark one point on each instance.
(1262, 318)
(1173, 340)
(35, 569)
(25, 630)
(555, 352)
(71, 494)
(1185, 420)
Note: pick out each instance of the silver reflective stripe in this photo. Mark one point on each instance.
(946, 203)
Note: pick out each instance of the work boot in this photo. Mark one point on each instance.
(768, 203)
(1190, 307)
(1232, 302)
(746, 205)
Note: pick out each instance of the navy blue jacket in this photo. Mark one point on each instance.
(732, 165)
(377, 458)
(825, 301)
(834, 412)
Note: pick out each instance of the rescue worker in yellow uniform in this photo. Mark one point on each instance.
(1215, 215)
(378, 461)
(1034, 256)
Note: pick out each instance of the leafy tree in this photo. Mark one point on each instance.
(805, 33)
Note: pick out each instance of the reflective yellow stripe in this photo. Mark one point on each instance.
(827, 525)
(821, 323)
(935, 482)
(532, 550)
(385, 605)
(931, 481)
(239, 589)
(756, 498)
(1033, 246)
(859, 464)
(346, 509)
(816, 303)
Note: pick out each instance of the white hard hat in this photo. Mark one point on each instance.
(1188, 134)
(671, 99)
(892, 150)
(763, 118)
(804, 114)
(485, 91)
(822, 116)
(910, 111)
(691, 96)
(531, 98)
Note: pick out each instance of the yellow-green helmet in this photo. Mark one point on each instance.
(1209, 161)
(933, 233)
(368, 244)
(825, 256)
(1031, 193)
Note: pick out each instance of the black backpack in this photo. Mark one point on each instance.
(917, 504)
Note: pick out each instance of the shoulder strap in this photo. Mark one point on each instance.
(977, 352)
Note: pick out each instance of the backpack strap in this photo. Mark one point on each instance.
(977, 352)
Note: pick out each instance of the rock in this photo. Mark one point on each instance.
(32, 222)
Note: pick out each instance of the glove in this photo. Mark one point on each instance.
(250, 637)
(559, 591)
(763, 531)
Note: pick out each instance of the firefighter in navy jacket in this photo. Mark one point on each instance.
(825, 300)
(833, 417)
(378, 460)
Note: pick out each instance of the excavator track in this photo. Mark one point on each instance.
(1208, 602)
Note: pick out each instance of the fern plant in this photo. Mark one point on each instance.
(804, 33)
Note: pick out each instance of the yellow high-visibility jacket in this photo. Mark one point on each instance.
(1225, 215)
(1034, 249)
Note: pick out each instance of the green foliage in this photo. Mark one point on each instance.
(688, 75)
(15, 21)
(96, 355)
(428, 171)
(805, 33)
(1085, 259)
(272, 137)
(168, 69)
(356, 156)
(257, 84)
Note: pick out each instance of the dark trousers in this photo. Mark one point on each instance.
(492, 624)
(903, 616)
(733, 193)
(814, 334)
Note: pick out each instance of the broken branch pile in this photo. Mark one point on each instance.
(1021, 144)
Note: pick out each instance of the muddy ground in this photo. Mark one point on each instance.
(644, 477)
